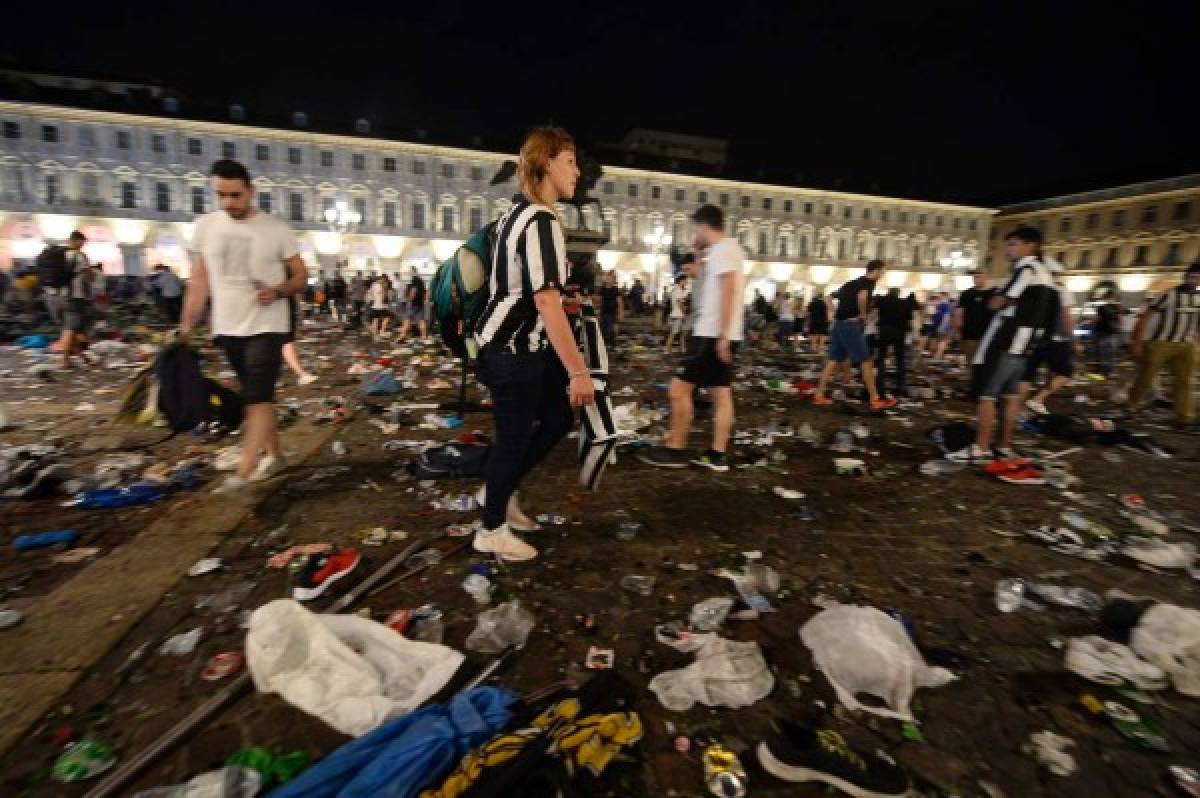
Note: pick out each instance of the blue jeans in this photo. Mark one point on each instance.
(848, 341)
(532, 413)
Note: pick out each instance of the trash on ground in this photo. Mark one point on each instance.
(507, 624)
(1050, 750)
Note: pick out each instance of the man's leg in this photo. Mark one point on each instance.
(1182, 364)
(514, 408)
(868, 373)
(680, 394)
(722, 397)
(881, 358)
(987, 419)
(826, 374)
(901, 355)
(293, 359)
(258, 433)
(1148, 367)
(1012, 410)
(554, 415)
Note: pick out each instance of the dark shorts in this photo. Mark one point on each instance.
(998, 377)
(1055, 355)
(415, 314)
(848, 341)
(256, 359)
(818, 328)
(380, 313)
(77, 316)
(701, 366)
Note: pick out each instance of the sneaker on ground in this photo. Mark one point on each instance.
(307, 379)
(1027, 475)
(712, 460)
(1105, 662)
(324, 572)
(821, 400)
(232, 484)
(514, 516)
(971, 454)
(504, 544)
(1037, 407)
(882, 403)
(268, 467)
(800, 754)
(664, 457)
(1160, 553)
(1006, 465)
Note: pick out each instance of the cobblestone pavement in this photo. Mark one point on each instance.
(931, 548)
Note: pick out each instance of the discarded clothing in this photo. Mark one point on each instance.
(351, 672)
(726, 673)
(407, 754)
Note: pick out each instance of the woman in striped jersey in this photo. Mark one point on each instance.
(528, 358)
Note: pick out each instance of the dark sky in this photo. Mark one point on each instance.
(971, 102)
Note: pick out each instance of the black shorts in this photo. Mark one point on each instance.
(256, 359)
(77, 316)
(1055, 355)
(701, 366)
(380, 313)
(818, 328)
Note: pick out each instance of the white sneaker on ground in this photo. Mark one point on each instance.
(268, 466)
(504, 544)
(1160, 553)
(307, 379)
(227, 459)
(1105, 662)
(513, 515)
(1037, 407)
(232, 484)
(971, 454)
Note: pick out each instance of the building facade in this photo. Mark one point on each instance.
(135, 183)
(1140, 236)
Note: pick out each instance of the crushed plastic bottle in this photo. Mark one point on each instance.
(43, 540)
(641, 585)
(710, 614)
(181, 645)
(228, 782)
(1011, 596)
(628, 530)
(83, 760)
(479, 587)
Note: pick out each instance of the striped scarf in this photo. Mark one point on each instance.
(598, 436)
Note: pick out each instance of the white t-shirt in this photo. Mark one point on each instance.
(237, 254)
(725, 257)
(377, 296)
(787, 309)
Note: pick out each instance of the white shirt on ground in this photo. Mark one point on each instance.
(724, 257)
(238, 254)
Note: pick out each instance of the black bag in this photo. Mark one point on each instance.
(953, 437)
(187, 398)
(52, 268)
(451, 460)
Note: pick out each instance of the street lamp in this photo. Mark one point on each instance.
(657, 242)
(341, 218)
(956, 261)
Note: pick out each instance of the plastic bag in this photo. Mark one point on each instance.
(497, 629)
(351, 672)
(863, 650)
(1169, 637)
(229, 782)
(726, 673)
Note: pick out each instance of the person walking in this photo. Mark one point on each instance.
(973, 313)
(414, 310)
(848, 339)
(169, 289)
(680, 298)
(1165, 337)
(785, 308)
(895, 320)
(1026, 312)
(378, 297)
(612, 308)
(818, 322)
(1057, 353)
(336, 291)
(528, 358)
(358, 297)
(248, 262)
(711, 350)
(1106, 330)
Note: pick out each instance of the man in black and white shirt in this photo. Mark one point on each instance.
(1165, 337)
(1027, 311)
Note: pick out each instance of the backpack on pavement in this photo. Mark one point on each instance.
(450, 460)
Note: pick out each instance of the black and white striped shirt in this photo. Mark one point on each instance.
(1033, 312)
(530, 256)
(1176, 315)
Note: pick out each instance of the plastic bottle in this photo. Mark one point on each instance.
(43, 539)
(339, 448)
(228, 782)
(141, 493)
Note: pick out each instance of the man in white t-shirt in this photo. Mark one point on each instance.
(717, 299)
(249, 263)
(679, 297)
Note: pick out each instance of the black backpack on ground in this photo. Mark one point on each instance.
(451, 460)
(52, 268)
(187, 398)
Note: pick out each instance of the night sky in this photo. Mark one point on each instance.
(970, 102)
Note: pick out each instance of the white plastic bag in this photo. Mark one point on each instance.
(351, 672)
(863, 650)
(497, 629)
(1169, 637)
(726, 673)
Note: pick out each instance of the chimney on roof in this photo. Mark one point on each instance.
(362, 126)
(300, 119)
(237, 112)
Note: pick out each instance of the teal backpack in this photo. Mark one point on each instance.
(459, 291)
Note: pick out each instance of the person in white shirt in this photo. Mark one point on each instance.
(379, 295)
(681, 293)
(715, 339)
(170, 290)
(785, 306)
(249, 263)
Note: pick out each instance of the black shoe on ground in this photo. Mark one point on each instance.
(799, 754)
(713, 460)
(664, 457)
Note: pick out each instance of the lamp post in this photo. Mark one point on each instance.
(341, 218)
(657, 242)
(956, 262)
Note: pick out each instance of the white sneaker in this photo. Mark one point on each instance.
(971, 454)
(232, 484)
(1037, 407)
(227, 459)
(1105, 662)
(268, 466)
(307, 379)
(504, 544)
(513, 515)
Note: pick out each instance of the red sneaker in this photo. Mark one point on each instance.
(997, 467)
(882, 403)
(1023, 476)
(821, 400)
(323, 572)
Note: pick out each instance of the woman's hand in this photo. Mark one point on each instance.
(582, 390)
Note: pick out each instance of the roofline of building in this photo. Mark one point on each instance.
(230, 128)
(1166, 185)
